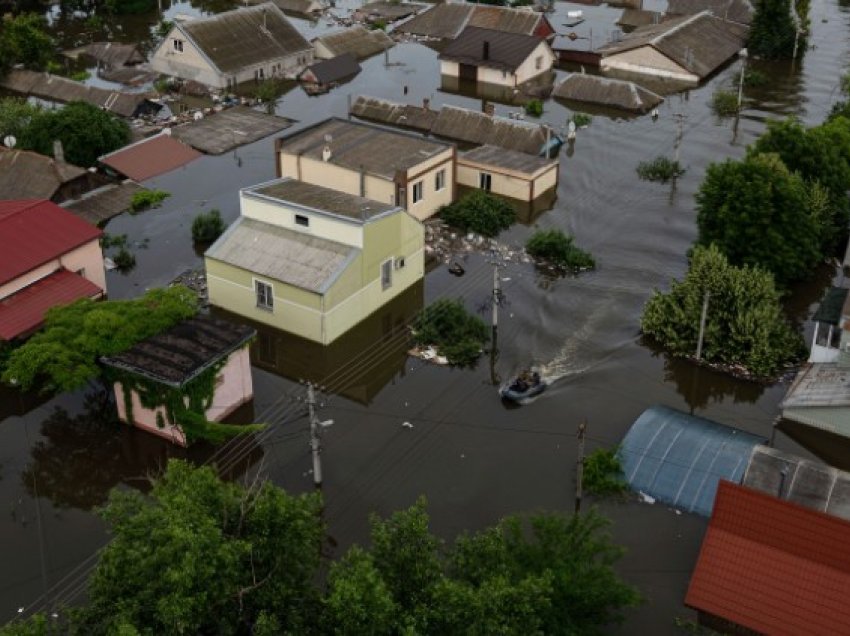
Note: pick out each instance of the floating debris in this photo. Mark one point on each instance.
(196, 280)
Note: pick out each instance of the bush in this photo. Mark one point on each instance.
(479, 212)
(378, 25)
(124, 260)
(660, 169)
(207, 227)
(581, 119)
(724, 103)
(772, 30)
(456, 333)
(753, 78)
(145, 199)
(534, 108)
(557, 248)
(603, 473)
(80, 76)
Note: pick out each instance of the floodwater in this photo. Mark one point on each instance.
(473, 458)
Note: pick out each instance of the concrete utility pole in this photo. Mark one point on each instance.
(743, 54)
(702, 324)
(494, 349)
(580, 464)
(316, 428)
(680, 124)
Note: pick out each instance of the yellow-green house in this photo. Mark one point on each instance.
(313, 261)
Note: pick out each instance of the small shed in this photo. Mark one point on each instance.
(604, 91)
(332, 71)
(172, 360)
(109, 54)
(357, 40)
(679, 458)
(508, 173)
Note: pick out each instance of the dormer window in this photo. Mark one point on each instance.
(178, 45)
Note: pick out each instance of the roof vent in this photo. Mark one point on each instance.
(326, 153)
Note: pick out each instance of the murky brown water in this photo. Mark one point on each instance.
(473, 458)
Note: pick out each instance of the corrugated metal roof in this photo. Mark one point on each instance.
(295, 258)
(507, 159)
(475, 127)
(638, 17)
(506, 51)
(819, 384)
(606, 91)
(150, 157)
(699, 43)
(772, 566)
(112, 54)
(830, 308)
(357, 40)
(103, 203)
(447, 20)
(735, 10)
(803, 481)
(176, 356)
(335, 69)
(245, 37)
(34, 232)
(391, 11)
(23, 312)
(679, 458)
(29, 175)
(394, 114)
(359, 146)
(322, 199)
(444, 21)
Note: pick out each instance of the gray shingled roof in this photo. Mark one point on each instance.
(507, 159)
(476, 127)
(104, 203)
(699, 43)
(357, 40)
(335, 69)
(391, 11)
(735, 10)
(494, 49)
(29, 175)
(387, 112)
(363, 147)
(302, 260)
(112, 54)
(447, 20)
(244, 37)
(323, 200)
(605, 91)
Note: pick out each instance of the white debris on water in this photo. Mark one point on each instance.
(644, 498)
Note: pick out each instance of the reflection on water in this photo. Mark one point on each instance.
(357, 365)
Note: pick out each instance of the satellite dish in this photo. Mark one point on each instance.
(9, 141)
(328, 139)
(198, 116)
(571, 126)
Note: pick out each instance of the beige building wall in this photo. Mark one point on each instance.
(513, 186)
(528, 69)
(330, 175)
(322, 52)
(648, 61)
(546, 181)
(426, 173)
(88, 258)
(281, 215)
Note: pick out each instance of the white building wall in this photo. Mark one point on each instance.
(647, 61)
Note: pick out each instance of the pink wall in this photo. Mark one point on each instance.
(88, 257)
(234, 387)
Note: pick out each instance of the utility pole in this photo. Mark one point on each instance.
(580, 463)
(494, 349)
(743, 54)
(316, 428)
(702, 324)
(680, 124)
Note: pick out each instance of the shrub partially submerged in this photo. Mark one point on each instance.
(479, 212)
(207, 227)
(557, 248)
(145, 199)
(660, 169)
(457, 334)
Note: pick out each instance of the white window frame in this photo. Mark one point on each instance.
(485, 178)
(418, 186)
(440, 180)
(177, 44)
(269, 295)
(387, 274)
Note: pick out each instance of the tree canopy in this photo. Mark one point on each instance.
(745, 324)
(24, 40)
(447, 325)
(479, 212)
(772, 31)
(758, 213)
(64, 354)
(201, 556)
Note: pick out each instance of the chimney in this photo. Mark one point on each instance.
(489, 109)
(426, 103)
(326, 153)
(58, 151)
(485, 53)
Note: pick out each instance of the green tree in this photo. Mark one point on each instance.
(201, 556)
(820, 154)
(756, 212)
(64, 354)
(15, 116)
(86, 132)
(772, 31)
(479, 212)
(24, 40)
(745, 324)
(447, 325)
(558, 249)
(207, 227)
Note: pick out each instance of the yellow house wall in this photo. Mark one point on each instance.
(546, 181)
(336, 177)
(647, 61)
(501, 184)
(432, 199)
(279, 214)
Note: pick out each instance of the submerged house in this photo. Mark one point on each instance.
(446, 21)
(313, 261)
(607, 92)
(48, 257)
(686, 49)
(321, 76)
(508, 173)
(29, 175)
(221, 51)
(356, 40)
(393, 168)
(201, 359)
(496, 57)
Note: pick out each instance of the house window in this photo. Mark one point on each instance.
(81, 272)
(417, 192)
(485, 181)
(386, 274)
(178, 45)
(440, 180)
(265, 295)
(399, 262)
(538, 62)
(302, 220)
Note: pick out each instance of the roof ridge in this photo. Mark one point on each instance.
(664, 34)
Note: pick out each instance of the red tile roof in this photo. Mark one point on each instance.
(773, 566)
(34, 232)
(23, 311)
(150, 157)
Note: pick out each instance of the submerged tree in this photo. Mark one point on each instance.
(744, 326)
(24, 40)
(773, 30)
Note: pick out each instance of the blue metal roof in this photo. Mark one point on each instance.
(679, 458)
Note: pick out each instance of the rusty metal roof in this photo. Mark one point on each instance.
(150, 157)
(773, 566)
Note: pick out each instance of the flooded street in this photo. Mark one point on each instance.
(472, 457)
